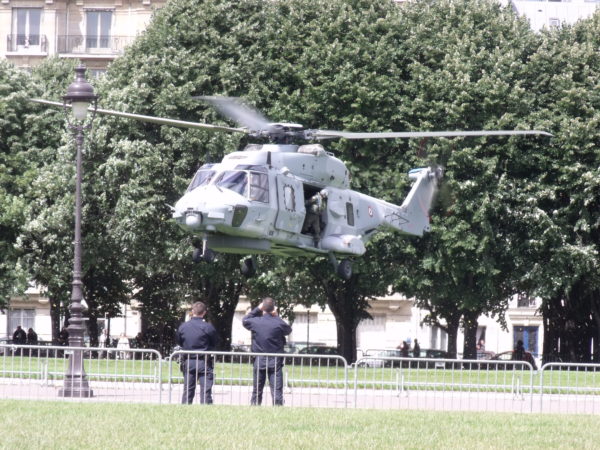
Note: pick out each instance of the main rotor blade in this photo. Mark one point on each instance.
(329, 134)
(152, 119)
(238, 112)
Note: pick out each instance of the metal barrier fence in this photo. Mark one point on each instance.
(38, 372)
(140, 375)
(308, 380)
(442, 384)
(570, 388)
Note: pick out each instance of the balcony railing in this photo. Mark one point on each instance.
(95, 44)
(26, 43)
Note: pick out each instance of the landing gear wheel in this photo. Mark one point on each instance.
(197, 255)
(248, 268)
(208, 255)
(344, 269)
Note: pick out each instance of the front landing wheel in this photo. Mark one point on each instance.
(344, 269)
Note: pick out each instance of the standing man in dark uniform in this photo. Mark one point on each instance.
(196, 334)
(268, 336)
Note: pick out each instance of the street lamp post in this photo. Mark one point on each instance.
(80, 95)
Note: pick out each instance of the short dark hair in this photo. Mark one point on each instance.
(198, 309)
(268, 305)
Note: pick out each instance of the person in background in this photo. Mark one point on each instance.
(197, 335)
(416, 349)
(268, 336)
(481, 345)
(103, 342)
(123, 344)
(19, 336)
(32, 337)
(404, 349)
(519, 352)
(63, 337)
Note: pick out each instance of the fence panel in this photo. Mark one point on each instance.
(38, 372)
(570, 388)
(442, 384)
(308, 380)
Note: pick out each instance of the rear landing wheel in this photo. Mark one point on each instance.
(344, 269)
(248, 267)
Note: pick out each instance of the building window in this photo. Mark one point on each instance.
(23, 317)
(97, 73)
(525, 301)
(529, 336)
(377, 322)
(301, 318)
(26, 27)
(98, 25)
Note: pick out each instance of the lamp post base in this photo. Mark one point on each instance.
(76, 388)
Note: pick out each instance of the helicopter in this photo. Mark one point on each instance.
(288, 196)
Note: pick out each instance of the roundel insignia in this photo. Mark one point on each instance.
(370, 212)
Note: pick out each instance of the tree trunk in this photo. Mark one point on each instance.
(55, 318)
(553, 325)
(221, 301)
(470, 330)
(348, 312)
(452, 326)
(346, 338)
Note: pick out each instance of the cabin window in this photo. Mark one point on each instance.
(289, 199)
(259, 187)
(234, 180)
(350, 214)
(201, 178)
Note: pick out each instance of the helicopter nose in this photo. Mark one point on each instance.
(193, 219)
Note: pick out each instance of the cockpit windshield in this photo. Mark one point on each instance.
(201, 178)
(237, 181)
(234, 180)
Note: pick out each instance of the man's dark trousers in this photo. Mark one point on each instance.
(271, 368)
(198, 370)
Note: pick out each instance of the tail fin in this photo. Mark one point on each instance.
(418, 202)
(412, 217)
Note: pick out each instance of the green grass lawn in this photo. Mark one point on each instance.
(67, 425)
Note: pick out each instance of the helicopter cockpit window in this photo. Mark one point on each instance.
(234, 180)
(259, 187)
(251, 167)
(201, 178)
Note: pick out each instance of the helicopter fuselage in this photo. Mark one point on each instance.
(254, 202)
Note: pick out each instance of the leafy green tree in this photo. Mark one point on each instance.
(13, 165)
(561, 199)
(27, 141)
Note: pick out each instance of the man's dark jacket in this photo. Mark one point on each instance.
(268, 333)
(196, 334)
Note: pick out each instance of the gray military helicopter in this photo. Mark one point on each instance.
(291, 197)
